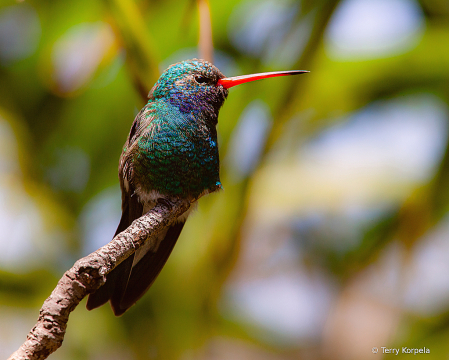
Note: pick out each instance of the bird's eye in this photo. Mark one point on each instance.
(201, 79)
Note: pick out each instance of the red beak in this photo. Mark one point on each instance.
(237, 80)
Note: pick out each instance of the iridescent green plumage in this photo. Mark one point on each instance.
(177, 154)
(173, 149)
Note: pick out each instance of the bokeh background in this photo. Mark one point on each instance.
(331, 236)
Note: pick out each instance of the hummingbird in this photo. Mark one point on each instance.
(171, 150)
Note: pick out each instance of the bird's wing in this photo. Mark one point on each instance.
(132, 209)
(129, 281)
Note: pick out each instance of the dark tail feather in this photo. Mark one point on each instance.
(117, 279)
(145, 272)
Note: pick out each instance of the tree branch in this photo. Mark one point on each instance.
(88, 274)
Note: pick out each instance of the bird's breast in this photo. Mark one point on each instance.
(178, 155)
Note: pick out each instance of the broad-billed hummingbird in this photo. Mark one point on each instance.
(171, 150)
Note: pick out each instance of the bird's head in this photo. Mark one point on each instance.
(191, 85)
(196, 86)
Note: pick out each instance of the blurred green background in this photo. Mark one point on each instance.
(331, 236)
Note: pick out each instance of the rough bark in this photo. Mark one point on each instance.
(88, 274)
